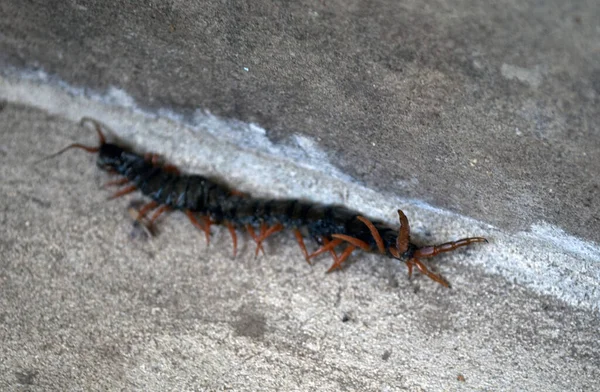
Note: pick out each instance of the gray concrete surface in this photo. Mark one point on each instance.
(86, 307)
(543, 258)
(489, 109)
(475, 118)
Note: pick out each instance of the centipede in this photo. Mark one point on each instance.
(207, 201)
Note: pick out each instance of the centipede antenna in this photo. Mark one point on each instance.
(434, 250)
(96, 126)
(74, 145)
(89, 149)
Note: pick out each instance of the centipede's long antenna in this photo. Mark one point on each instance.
(89, 149)
(434, 250)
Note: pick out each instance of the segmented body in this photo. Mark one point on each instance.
(313, 220)
(214, 203)
(165, 187)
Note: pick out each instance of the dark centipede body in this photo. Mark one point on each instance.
(214, 203)
(165, 187)
(334, 225)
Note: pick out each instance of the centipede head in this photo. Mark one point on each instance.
(404, 249)
(109, 156)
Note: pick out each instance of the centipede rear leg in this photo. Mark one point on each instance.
(300, 241)
(425, 271)
(123, 192)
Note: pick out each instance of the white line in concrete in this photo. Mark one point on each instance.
(545, 258)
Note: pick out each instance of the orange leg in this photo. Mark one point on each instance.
(254, 237)
(354, 241)
(207, 222)
(404, 233)
(123, 192)
(147, 207)
(158, 212)
(300, 240)
(425, 271)
(374, 233)
(233, 237)
(430, 251)
(120, 181)
(332, 250)
(264, 234)
(325, 248)
(338, 264)
(197, 225)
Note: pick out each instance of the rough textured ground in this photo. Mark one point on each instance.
(84, 306)
(489, 109)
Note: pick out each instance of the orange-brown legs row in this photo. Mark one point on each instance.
(430, 251)
(327, 246)
(353, 244)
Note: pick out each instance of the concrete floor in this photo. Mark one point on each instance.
(463, 109)
(86, 306)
